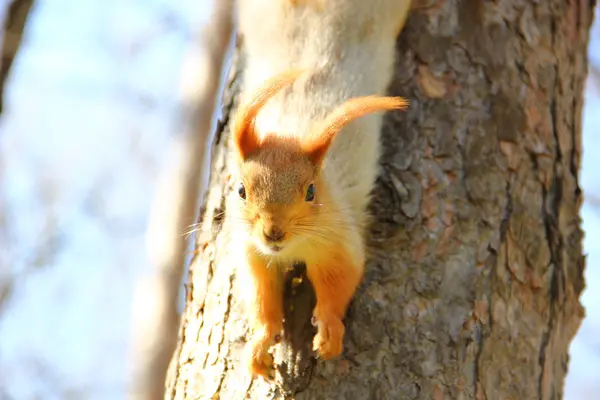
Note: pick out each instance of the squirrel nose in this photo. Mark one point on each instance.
(273, 234)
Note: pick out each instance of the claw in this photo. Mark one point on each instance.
(262, 366)
(260, 360)
(329, 339)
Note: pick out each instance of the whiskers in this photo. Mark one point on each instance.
(191, 229)
(318, 236)
(219, 220)
(326, 227)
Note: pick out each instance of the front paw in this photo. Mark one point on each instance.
(260, 361)
(329, 340)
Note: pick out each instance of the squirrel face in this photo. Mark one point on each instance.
(278, 195)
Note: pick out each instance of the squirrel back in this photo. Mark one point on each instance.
(347, 47)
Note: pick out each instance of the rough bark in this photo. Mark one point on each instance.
(12, 35)
(476, 266)
(174, 208)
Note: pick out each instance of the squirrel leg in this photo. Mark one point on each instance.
(266, 314)
(335, 280)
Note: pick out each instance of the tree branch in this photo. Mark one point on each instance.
(155, 314)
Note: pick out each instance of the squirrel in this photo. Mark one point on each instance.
(306, 145)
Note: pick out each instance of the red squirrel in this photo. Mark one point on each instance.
(306, 145)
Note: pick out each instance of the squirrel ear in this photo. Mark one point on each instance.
(245, 137)
(318, 143)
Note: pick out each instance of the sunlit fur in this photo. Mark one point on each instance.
(347, 48)
(276, 172)
(315, 76)
(245, 137)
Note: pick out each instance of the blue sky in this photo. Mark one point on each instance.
(90, 105)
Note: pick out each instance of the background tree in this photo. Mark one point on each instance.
(12, 33)
(71, 239)
(473, 286)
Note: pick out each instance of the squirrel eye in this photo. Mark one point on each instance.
(242, 191)
(310, 192)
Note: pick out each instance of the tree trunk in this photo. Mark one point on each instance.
(476, 266)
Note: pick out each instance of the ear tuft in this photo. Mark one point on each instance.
(245, 136)
(317, 145)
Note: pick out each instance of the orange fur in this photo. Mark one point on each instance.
(267, 313)
(276, 173)
(335, 280)
(289, 205)
(318, 144)
(245, 137)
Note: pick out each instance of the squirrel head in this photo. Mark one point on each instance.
(280, 189)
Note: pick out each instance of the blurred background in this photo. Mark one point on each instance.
(90, 104)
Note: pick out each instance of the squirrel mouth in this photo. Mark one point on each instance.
(275, 248)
